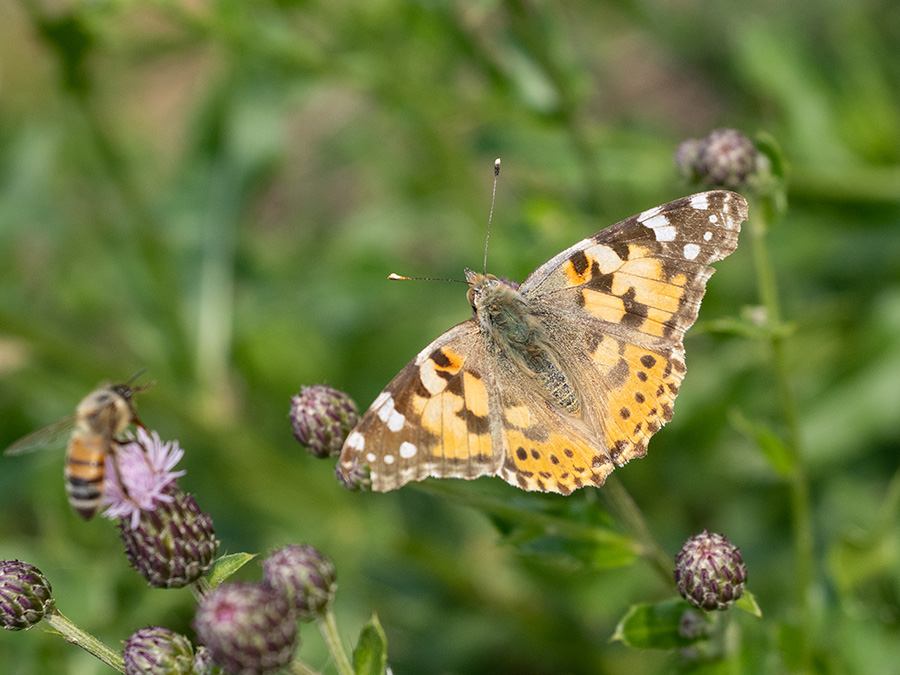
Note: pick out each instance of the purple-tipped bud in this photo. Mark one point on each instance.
(305, 576)
(173, 545)
(322, 417)
(203, 661)
(710, 572)
(724, 158)
(158, 651)
(248, 628)
(357, 479)
(25, 595)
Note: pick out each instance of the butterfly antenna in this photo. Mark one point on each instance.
(398, 277)
(491, 214)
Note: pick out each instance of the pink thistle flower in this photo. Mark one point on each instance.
(145, 465)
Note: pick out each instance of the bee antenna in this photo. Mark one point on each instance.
(491, 214)
(136, 375)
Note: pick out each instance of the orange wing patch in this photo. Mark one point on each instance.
(643, 403)
(551, 462)
(604, 306)
(454, 402)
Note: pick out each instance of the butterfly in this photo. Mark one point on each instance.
(553, 384)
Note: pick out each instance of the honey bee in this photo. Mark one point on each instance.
(99, 420)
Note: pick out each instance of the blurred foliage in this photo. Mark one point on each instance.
(216, 192)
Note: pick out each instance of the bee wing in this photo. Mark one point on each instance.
(51, 436)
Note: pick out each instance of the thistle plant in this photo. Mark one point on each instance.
(241, 628)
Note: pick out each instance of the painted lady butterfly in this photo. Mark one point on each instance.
(552, 385)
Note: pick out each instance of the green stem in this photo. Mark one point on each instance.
(621, 503)
(75, 635)
(301, 668)
(200, 588)
(328, 628)
(799, 483)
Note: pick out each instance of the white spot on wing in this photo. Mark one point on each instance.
(691, 251)
(408, 450)
(370, 457)
(665, 233)
(604, 256)
(650, 213)
(396, 421)
(714, 219)
(386, 407)
(356, 441)
(700, 202)
(662, 229)
(707, 236)
(388, 459)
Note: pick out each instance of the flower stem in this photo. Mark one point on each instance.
(621, 503)
(200, 588)
(799, 482)
(75, 635)
(301, 668)
(328, 628)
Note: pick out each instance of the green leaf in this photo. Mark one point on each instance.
(549, 526)
(601, 550)
(370, 655)
(747, 602)
(772, 447)
(228, 565)
(658, 626)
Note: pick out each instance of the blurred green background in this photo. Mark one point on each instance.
(217, 191)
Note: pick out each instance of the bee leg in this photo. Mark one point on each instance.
(115, 467)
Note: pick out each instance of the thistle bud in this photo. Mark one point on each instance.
(322, 417)
(158, 651)
(25, 595)
(305, 576)
(356, 479)
(248, 628)
(724, 158)
(203, 661)
(173, 545)
(710, 572)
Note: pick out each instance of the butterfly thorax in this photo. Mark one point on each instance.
(513, 329)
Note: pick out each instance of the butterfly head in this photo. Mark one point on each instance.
(481, 285)
(478, 284)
